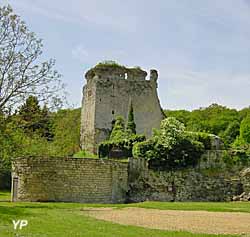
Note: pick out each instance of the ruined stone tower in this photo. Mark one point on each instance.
(109, 91)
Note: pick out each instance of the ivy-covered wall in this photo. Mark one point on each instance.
(210, 180)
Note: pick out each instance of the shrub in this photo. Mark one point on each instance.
(204, 138)
(170, 147)
(125, 145)
(236, 156)
(118, 131)
(144, 149)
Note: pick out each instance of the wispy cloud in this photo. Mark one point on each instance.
(95, 13)
(201, 48)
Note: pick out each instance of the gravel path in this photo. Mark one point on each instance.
(192, 221)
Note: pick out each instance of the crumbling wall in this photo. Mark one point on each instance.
(69, 180)
(112, 91)
(210, 180)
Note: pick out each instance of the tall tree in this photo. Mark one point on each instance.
(22, 72)
(131, 126)
(118, 131)
(34, 119)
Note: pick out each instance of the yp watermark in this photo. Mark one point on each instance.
(19, 224)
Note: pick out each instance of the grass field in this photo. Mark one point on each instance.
(68, 219)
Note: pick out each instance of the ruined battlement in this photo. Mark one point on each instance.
(109, 91)
(117, 72)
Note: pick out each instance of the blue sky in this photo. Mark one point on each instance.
(201, 49)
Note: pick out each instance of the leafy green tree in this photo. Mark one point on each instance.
(232, 131)
(170, 147)
(245, 129)
(171, 132)
(244, 113)
(131, 126)
(35, 120)
(214, 119)
(30, 115)
(66, 130)
(118, 131)
(22, 71)
(182, 115)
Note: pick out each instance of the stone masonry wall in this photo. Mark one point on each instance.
(109, 93)
(69, 180)
(210, 180)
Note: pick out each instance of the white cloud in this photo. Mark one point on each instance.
(96, 13)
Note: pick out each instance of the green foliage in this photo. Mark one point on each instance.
(33, 119)
(66, 128)
(121, 138)
(215, 119)
(231, 133)
(245, 129)
(131, 127)
(118, 131)
(236, 157)
(144, 149)
(171, 132)
(240, 143)
(126, 145)
(109, 63)
(182, 115)
(204, 138)
(22, 69)
(170, 147)
(37, 132)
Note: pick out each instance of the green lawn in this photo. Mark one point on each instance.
(67, 219)
(4, 196)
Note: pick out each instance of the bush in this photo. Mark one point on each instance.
(126, 145)
(143, 149)
(236, 157)
(170, 147)
(204, 138)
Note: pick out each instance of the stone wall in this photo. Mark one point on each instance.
(108, 181)
(109, 93)
(69, 180)
(210, 180)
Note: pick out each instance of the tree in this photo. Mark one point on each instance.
(170, 147)
(232, 131)
(22, 73)
(245, 129)
(66, 128)
(30, 114)
(171, 132)
(118, 131)
(35, 120)
(131, 126)
(181, 115)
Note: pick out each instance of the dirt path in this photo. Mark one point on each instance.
(192, 221)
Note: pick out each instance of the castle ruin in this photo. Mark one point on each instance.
(109, 91)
